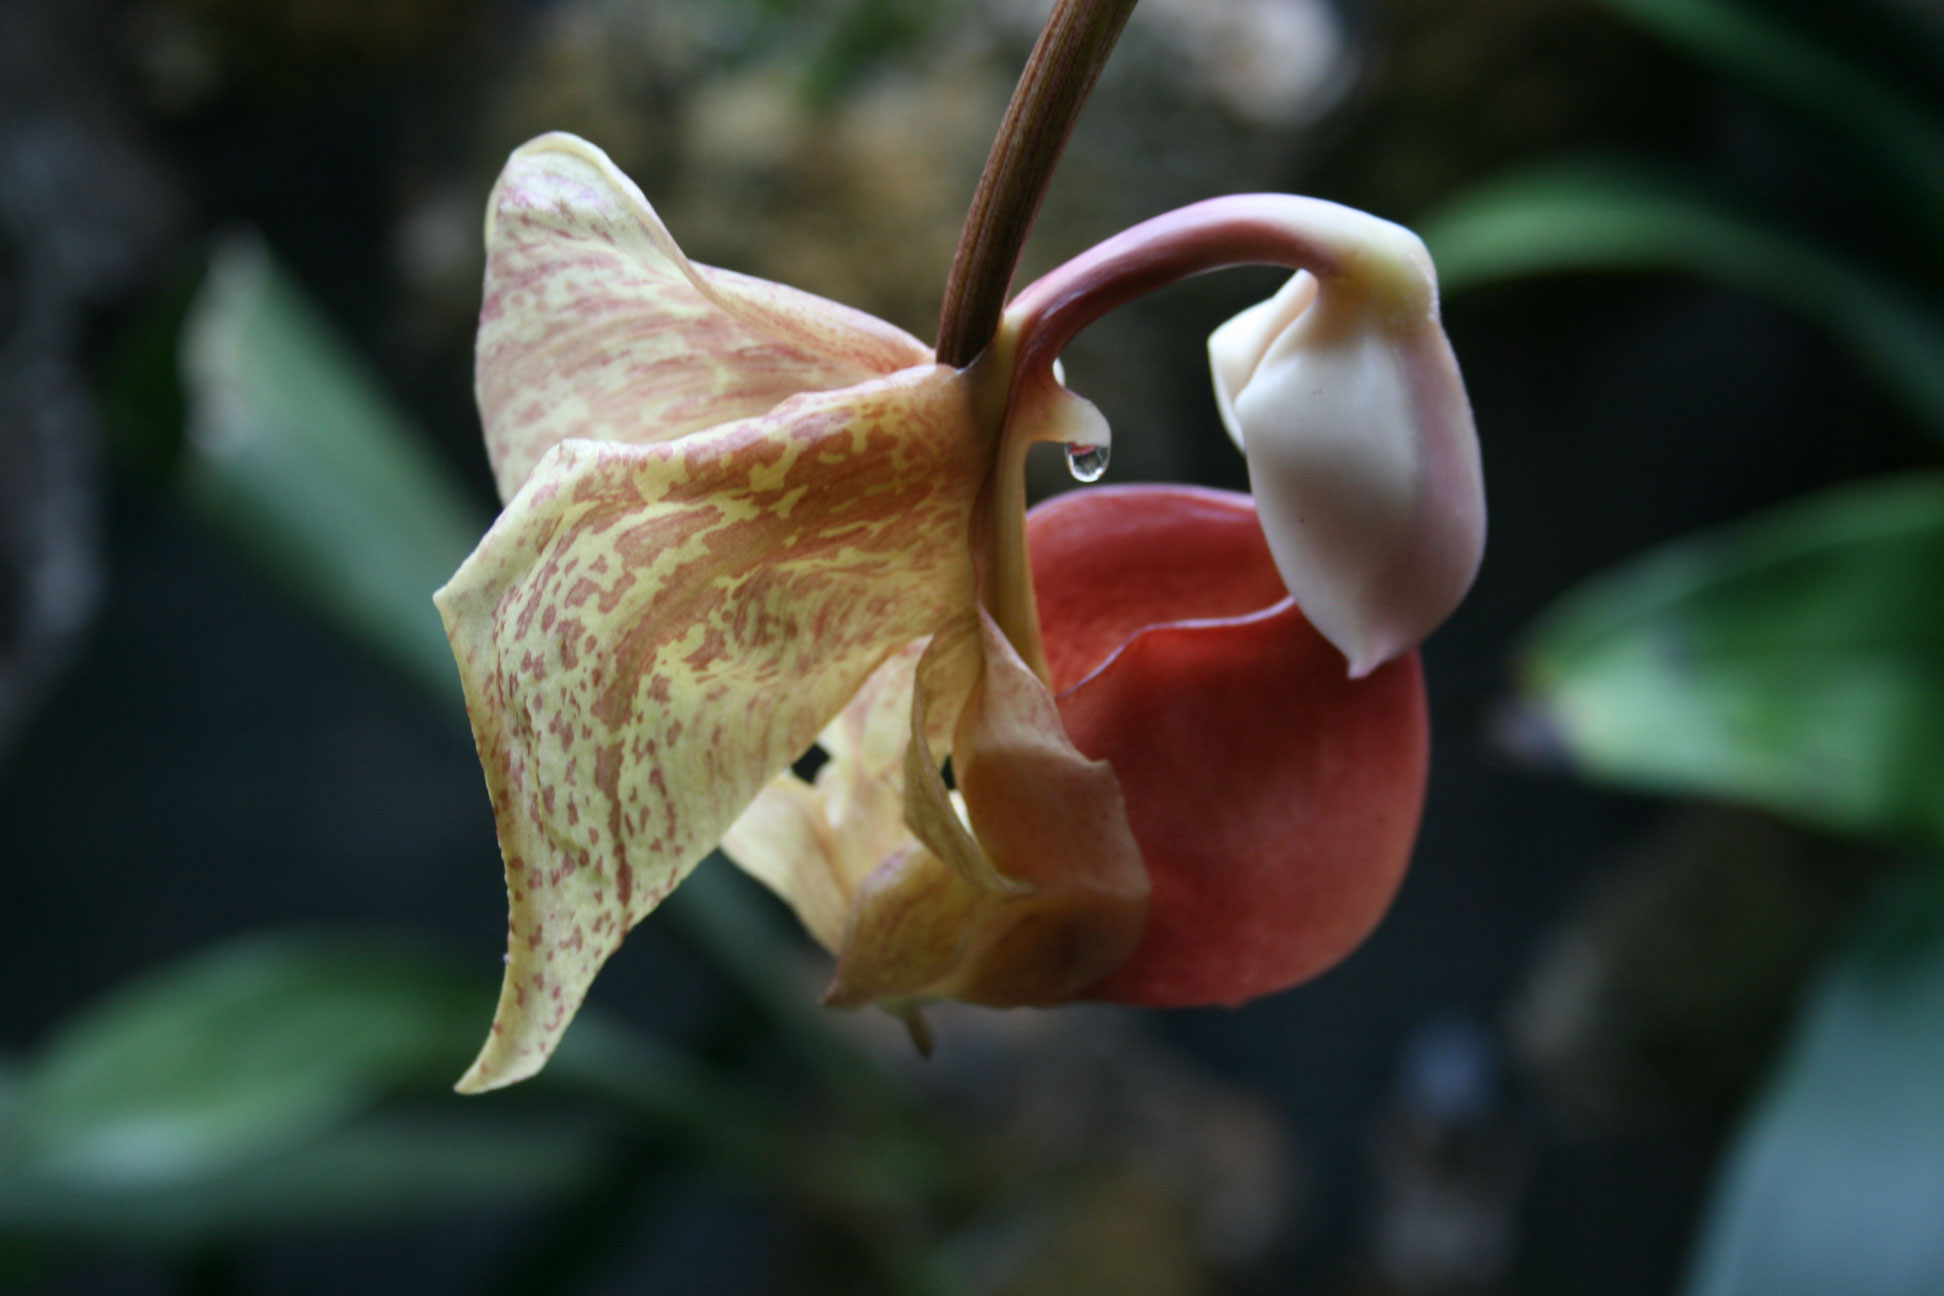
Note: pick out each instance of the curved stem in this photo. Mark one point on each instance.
(1363, 265)
(1241, 229)
(1059, 74)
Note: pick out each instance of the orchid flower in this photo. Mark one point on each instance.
(1186, 731)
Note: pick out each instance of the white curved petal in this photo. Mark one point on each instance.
(1347, 402)
(1237, 347)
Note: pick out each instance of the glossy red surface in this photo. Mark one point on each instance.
(1275, 799)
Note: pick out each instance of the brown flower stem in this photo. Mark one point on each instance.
(1059, 74)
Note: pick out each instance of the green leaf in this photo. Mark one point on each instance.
(1885, 127)
(1836, 1183)
(1793, 661)
(240, 1057)
(294, 452)
(1590, 217)
(238, 1052)
(380, 1170)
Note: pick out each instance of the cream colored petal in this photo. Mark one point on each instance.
(650, 634)
(594, 325)
(813, 845)
(784, 841)
(1237, 347)
(1363, 458)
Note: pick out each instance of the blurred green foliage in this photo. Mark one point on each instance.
(1568, 217)
(1793, 661)
(1836, 1184)
(258, 1084)
(1796, 661)
(293, 451)
(1890, 129)
(238, 1051)
(292, 1079)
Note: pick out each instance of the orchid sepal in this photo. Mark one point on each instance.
(594, 324)
(640, 658)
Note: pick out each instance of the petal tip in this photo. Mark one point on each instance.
(499, 1065)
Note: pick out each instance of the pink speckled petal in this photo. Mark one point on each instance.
(651, 633)
(594, 325)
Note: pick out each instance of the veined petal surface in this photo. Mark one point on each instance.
(651, 634)
(595, 325)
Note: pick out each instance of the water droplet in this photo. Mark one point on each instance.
(1087, 463)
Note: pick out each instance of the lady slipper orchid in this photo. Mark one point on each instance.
(1186, 730)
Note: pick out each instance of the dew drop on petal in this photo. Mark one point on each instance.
(1087, 463)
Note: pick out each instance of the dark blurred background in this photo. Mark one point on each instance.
(1523, 1083)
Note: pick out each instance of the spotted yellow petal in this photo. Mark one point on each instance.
(594, 325)
(651, 633)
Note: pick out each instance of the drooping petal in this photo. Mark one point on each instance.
(813, 844)
(918, 927)
(594, 325)
(899, 912)
(1275, 800)
(1347, 401)
(1058, 895)
(1047, 815)
(650, 634)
